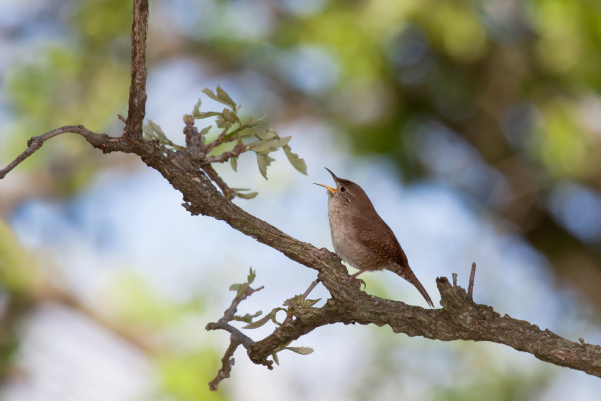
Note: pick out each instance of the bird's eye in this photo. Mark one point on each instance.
(342, 189)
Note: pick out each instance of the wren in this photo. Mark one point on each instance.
(361, 238)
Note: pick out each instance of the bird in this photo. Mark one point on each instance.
(361, 238)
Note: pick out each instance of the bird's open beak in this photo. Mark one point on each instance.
(330, 189)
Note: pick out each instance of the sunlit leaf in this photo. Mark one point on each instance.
(307, 303)
(258, 323)
(296, 161)
(251, 276)
(281, 142)
(254, 121)
(158, 131)
(249, 195)
(264, 134)
(196, 110)
(230, 116)
(222, 122)
(235, 287)
(248, 318)
(260, 146)
(273, 314)
(300, 350)
(224, 97)
(275, 358)
(206, 130)
(243, 288)
(148, 132)
(234, 163)
(221, 97)
(264, 161)
(208, 114)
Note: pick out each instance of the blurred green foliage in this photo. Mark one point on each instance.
(500, 99)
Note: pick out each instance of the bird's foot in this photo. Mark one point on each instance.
(350, 279)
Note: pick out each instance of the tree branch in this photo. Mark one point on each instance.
(101, 141)
(459, 319)
(236, 338)
(137, 89)
(225, 156)
(226, 363)
(227, 191)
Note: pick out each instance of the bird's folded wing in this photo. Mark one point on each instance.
(375, 234)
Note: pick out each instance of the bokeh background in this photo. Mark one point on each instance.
(474, 126)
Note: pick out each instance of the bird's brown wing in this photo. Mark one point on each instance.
(375, 234)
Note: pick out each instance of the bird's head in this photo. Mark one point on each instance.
(345, 192)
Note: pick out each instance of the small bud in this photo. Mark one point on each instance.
(188, 119)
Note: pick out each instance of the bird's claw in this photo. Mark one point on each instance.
(348, 280)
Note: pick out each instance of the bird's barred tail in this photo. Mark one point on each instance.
(409, 276)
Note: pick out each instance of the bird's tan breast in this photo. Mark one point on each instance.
(347, 246)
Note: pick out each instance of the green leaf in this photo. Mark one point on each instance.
(260, 146)
(206, 130)
(158, 131)
(307, 303)
(249, 195)
(301, 350)
(196, 110)
(148, 132)
(235, 287)
(275, 358)
(238, 193)
(251, 276)
(221, 97)
(208, 114)
(223, 123)
(255, 121)
(243, 288)
(281, 142)
(264, 161)
(234, 163)
(248, 318)
(258, 323)
(230, 116)
(265, 134)
(221, 94)
(296, 161)
(273, 314)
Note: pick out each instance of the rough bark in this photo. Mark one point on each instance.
(458, 319)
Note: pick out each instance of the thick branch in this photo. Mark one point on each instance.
(137, 89)
(459, 319)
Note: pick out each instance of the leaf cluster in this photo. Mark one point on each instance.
(248, 136)
(295, 302)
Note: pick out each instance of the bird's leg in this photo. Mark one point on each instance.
(313, 284)
(353, 277)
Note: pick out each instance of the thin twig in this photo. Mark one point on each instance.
(454, 279)
(227, 191)
(225, 156)
(224, 137)
(36, 143)
(313, 285)
(236, 338)
(226, 364)
(470, 288)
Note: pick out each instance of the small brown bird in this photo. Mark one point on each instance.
(361, 238)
